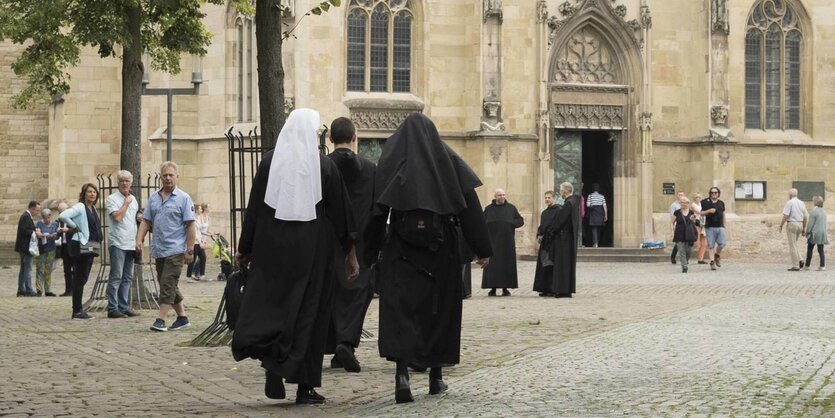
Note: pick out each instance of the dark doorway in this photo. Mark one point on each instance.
(598, 162)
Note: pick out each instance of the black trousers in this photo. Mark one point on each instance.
(199, 262)
(81, 272)
(809, 248)
(68, 271)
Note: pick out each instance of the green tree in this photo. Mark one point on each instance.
(54, 31)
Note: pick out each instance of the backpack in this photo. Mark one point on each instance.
(420, 228)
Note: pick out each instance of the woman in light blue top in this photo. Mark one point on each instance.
(84, 220)
(816, 233)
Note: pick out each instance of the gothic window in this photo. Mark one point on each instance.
(586, 58)
(379, 57)
(245, 65)
(772, 67)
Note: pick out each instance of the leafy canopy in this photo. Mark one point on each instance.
(54, 31)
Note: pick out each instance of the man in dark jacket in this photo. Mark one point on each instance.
(351, 298)
(25, 229)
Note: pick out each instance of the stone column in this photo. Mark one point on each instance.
(544, 176)
(491, 46)
(718, 67)
(645, 165)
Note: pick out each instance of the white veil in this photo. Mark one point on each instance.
(295, 183)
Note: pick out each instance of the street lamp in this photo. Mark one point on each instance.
(169, 92)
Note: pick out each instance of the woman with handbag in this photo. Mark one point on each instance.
(684, 231)
(84, 244)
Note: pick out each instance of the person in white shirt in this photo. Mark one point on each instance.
(121, 218)
(796, 216)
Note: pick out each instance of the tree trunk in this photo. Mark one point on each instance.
(270, 69)
(131, 149)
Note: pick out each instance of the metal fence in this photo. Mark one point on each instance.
(144, 290)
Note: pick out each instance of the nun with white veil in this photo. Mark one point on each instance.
(298, 236)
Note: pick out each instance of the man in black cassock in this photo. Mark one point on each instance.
(296, 233)
(426, 189)
(502, 219)
(543, 281)
(351, 298)
(562, 232)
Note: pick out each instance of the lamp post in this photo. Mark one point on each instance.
(169, 92)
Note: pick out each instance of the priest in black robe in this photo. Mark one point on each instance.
(562, 234)
(502, 219)
(351, 298)
(424, 189)
(543, 281)
(298, 233)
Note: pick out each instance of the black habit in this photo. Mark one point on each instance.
(502, 220)
(543, 278)
(421, 287)
(286, 304)
(564, 248)
(351, 299)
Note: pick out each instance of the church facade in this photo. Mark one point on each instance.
(643, 98)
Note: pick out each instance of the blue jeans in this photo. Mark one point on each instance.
(118, 282)
(24, 278)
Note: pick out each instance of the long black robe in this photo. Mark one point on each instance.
(543, 277)
(286, 304)
(502, 220)
(564, 246)
(421, 288)
(466, 265)
(351, 299)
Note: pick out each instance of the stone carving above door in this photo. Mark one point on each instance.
(568, 9)
(586, 58)
(579, 116)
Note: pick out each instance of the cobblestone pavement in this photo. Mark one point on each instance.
(637, 339)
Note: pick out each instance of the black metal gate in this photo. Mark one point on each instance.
(245, 154)
(144, 290)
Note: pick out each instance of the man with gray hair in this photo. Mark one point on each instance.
(561, 235)
(121, 218)
(796, 215)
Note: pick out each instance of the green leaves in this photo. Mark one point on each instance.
(324, 6)
(54, 31)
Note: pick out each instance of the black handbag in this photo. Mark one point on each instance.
(234, 294)
(76, 249)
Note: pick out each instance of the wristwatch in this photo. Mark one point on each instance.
(190, 252)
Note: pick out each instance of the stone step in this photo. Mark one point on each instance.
(616, 255)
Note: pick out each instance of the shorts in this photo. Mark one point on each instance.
(168, 274)
(715, 236)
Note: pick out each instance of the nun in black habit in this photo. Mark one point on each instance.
(424, 189)
(296, 234)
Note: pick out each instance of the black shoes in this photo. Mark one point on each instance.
(505, 292)
(492, 292)
(335, 363)
(684, 269)
(437, 386)
(115, 314)
(563, 295)
(308, 396)
(81, 315)
(50, 294)
(546, 295)
(180, 323)
(345, 355)
(274, 386)
(66, 294)
(130, 313)
(402, 391)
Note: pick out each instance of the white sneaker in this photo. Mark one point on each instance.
(806, 268)
(821, 268)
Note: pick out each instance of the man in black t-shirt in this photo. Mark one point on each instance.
(713, 210)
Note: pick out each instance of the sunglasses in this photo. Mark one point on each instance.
(714, 192)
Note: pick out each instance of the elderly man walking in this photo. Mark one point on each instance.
(796, 215)
(121, 216)
(170, 212)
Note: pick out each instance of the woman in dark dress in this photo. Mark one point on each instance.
(424, 189)
(684, 231)
(297, 232)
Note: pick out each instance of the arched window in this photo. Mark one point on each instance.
(773, 45)
(379, 55)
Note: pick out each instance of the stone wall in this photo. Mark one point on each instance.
(24, 156)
